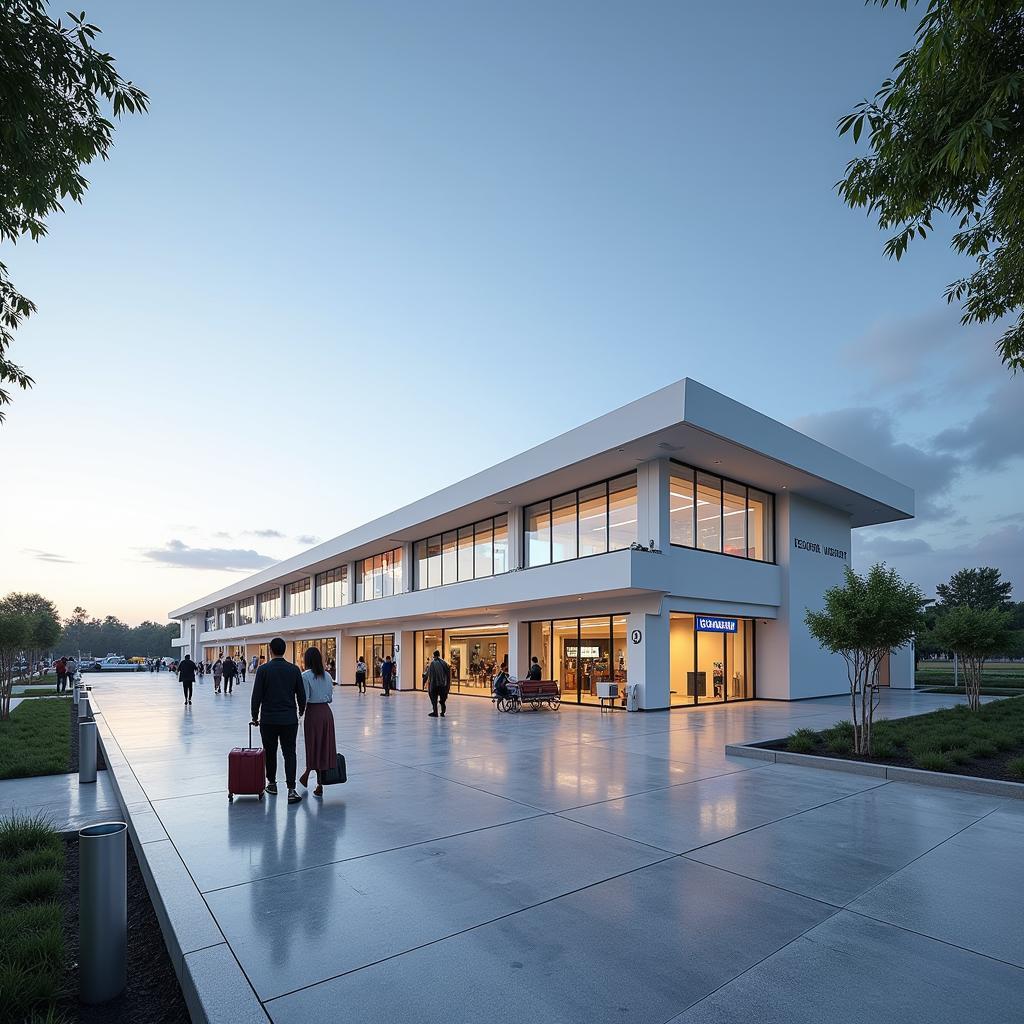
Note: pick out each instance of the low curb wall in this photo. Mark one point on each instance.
(213, 983)
(941, 780)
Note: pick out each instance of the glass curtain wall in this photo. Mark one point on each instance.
(590, 521)
(327, 645)
(709, 668)
(373, 648)
(268, 605)
(209, 620)
(470, 553)
(331, 588)
(226, 616)
(300, 597)
(711, 513)
(581, 653)
(379, 576)
(475, 654)
(247, 611)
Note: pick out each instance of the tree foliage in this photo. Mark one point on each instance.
(974, 635)
(109, 635)
(863, 620)
(55, 88)
(946, 135)
(976, 588)
(14, 633)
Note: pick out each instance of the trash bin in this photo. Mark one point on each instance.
(102, 911)
(86, 751)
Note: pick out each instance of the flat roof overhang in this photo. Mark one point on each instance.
(686, 421)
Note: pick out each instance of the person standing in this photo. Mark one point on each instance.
(277, 691)
(218, 672)
(438, 677)
(387, 675)
(361, 674)
(200, 669)
(318, 725)
(71, 668)
(61, 668)
(187, 676)
(230, 671)
(332, 671)
(241, 668)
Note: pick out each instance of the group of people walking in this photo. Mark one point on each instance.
(66, 669)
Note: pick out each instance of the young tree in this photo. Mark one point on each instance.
(976, 588)
(946, 134)
(43, 624)
(863, 620)
(53, 82)
(974, 635)
(14, 631)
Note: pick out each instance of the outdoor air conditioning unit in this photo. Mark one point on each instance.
(608, 690)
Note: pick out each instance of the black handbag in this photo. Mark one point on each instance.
(334, 776)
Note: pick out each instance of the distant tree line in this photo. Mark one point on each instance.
(110, 635)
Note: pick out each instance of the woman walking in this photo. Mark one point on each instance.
(318, 727)
(218, 671)
(361, 675)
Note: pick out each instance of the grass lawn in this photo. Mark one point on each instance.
(994, 674)
(988, 743)
(36, 740)
(32, 975)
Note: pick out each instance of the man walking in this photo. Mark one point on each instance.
(277, 691)
(230, 671)
(187, 676)
(438, 678)
(387, 675)
(61, 668)
(71, 670)
(241, 668)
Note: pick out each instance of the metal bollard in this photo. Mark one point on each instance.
(83, 707)
(102, 911)
(86, 752)
(74, 694)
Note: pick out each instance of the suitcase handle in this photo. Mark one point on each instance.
(250, 736)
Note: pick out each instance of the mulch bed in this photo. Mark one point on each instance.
(153, 995)
(101, 765)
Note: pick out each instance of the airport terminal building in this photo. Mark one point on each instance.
(670, 547)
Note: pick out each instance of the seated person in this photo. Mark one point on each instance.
(534, 674)
(501, 685)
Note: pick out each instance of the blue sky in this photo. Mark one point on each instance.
(349, 238)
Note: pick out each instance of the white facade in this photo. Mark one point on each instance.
(644, 474)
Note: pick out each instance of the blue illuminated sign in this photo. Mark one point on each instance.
(715, 624)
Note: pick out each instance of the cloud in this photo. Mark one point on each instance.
(182, 556)
(882, 547)
(48, 556)
(995, 435)
(307, 538)
(867, 434)
(266, 534)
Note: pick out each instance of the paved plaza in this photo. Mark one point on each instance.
(574, 866)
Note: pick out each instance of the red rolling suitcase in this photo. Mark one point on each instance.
(247, 774)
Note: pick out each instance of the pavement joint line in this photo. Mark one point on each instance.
(473, 927)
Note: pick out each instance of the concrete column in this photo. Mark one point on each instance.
(515, 537)
(405, 661)
(648, 646)
(518, 648)
(347, 660)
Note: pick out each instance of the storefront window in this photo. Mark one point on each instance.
(475, 655)
(713, 514)
(581, 654)
(373, 648)
(710, 665)
(327, 646)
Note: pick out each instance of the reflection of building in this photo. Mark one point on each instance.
(671, 546)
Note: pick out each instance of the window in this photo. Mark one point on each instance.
(300, 597)
(709, 667)
(581, 654)
(714, 514)
(591, 521)
(246, 611)
(268, 605)
(381, 575)
(226, 616)
(469, 553)
(209, 620)
(332, 588)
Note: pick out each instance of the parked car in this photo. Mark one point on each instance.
(112, 663)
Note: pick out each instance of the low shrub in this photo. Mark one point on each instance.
(958, 755)
(934, 761)
(1016, 767)
(981, 748)
(800, 743)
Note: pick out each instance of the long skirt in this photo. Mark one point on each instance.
(318, 730)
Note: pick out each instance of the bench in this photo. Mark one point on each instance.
(533, 692)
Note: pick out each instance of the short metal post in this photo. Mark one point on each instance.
(74, 694)
(86, 751)
(102, 911)
(83, 707)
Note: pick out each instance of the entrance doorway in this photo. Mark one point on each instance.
(373, 648)
(475, 653)
(711, 659)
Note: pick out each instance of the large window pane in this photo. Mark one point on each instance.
(734, 519)
(500, 544)
(681, 507)
(434, 561)
(565, 666)
(397, 578)
(709, 512)
(683, 681)
(378, 576)
(759, 525)
(622, 516)
(420, 553)
(483, 549)
(449, 557)
(538, 534)
(466, 553)
(540, 647)
(594, 520)
(563, 528)
(620, 655)
(595, 656)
